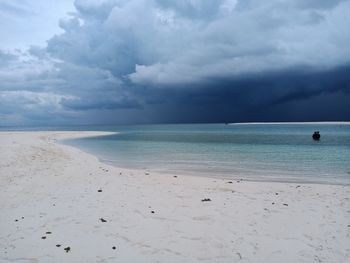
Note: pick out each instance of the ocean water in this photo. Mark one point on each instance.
(272, 152)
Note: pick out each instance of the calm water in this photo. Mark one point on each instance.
(283, 152)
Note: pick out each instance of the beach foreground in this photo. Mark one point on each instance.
(59, 204)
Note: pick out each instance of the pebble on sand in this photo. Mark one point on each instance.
(103, 220)
(206, 200)
(67, 249)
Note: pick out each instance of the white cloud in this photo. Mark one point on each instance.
(188, 41)
(23, 106)
(264, 38)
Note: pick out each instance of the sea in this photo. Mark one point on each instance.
(282, 152)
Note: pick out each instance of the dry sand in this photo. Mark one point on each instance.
(50, 196)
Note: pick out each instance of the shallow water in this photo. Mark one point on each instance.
(277, 152)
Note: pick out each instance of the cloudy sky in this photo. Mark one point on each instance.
(165, 61)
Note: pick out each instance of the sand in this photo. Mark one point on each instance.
(53, 194)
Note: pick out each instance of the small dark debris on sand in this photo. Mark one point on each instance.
(285, 204)
(230, 182)
(206, 200)
(297, 186)
(16, 220)
(273, 203)
(114, 248)
(22, 217)
(146, 173)
(58, 245)
(103, 220)
(152, 212)
(276, 193)
(175, 176)
(99, 190)
(48, 232)
(44, 237)
(67, 249)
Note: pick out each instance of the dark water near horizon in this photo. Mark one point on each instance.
(277, 152)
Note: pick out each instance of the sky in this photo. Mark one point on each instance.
(66, 62)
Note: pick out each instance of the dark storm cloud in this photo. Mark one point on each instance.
(260, 97)
(187, 61)
(100, 104)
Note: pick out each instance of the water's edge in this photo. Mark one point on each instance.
(67, 142)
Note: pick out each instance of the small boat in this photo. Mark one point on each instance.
(316, 136)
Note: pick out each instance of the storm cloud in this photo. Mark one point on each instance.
(119, 61)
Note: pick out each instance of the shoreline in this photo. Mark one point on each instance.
(221, 177)
(153, 217)
(261, 179)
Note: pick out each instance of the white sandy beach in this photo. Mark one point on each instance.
(49, 196)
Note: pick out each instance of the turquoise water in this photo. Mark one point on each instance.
(277, 152)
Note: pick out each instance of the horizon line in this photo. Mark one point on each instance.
(292, 122)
